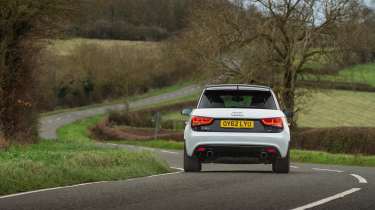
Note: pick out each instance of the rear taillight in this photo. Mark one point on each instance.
(274, 122)
(199, 121)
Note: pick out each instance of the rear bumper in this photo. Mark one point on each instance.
(280, 141)
(236, 154)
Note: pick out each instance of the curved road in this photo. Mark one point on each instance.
(217, 187)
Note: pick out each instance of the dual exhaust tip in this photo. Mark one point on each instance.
(210, 153)
(264, 155)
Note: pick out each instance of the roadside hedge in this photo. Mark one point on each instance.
(350, 140)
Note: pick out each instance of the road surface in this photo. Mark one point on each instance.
(217, 187)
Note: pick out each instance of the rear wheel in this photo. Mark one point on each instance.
(191, 164)
(281, 165)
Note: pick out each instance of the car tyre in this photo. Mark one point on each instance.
(191, 164)
(281, 165)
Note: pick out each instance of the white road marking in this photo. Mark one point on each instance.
(329, 199)
(180, 169)
(329, 170)
(170, 152)
(83, 184)
(49, 189)
(157, 175)
(361, 180)
(294, 166)
(110, 144)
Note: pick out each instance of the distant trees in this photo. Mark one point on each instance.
(131, 19)
(271, 42)
(23, 25)
(356, 38)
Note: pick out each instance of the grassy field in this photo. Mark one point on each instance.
(338, 108)
(65, 47)
(159, 143)
(362, 73)
(73, 159)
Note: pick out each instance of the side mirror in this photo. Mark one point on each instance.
(187, 111)
(288, 113)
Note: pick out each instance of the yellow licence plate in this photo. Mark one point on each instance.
(236, 124)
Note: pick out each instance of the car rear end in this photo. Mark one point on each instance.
(237, 124)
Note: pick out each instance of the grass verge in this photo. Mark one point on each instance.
(159, 143)
(73, 159)
(332, 159)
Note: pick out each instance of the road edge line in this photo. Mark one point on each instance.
(329, 170)
(50, 189)
(360, 179)
(82, 184)
(328, 199)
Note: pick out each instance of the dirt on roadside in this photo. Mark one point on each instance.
(3, 143)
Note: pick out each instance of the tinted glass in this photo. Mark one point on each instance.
(237, 99)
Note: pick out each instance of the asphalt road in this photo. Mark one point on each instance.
(217, 187)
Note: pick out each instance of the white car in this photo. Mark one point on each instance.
(237, 124)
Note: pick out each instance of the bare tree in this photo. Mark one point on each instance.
(266, 41)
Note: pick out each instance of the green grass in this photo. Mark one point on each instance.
(332, 159)
(159, 143)
(66, 46)
(338, 108)
(73, 159)
(363, 73)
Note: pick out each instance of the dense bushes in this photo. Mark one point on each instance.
(349, 140)
(141, 119)
(122, 30)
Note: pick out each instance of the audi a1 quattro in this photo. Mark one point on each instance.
(237, 124)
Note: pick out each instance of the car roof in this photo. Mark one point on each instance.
(237, 87)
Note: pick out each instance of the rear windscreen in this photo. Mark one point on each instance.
(237, 99)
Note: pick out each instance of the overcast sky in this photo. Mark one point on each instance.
(371, 3)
